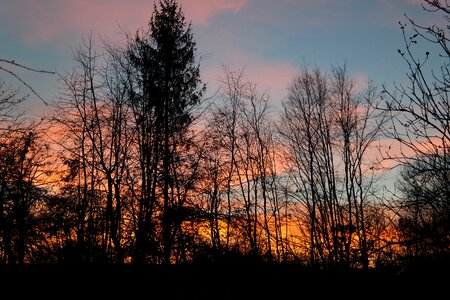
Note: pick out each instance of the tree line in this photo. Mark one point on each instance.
(133, 164)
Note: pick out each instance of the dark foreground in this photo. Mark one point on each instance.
(234, 280)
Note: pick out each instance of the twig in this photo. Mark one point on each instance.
(12, 62)
(24, 83)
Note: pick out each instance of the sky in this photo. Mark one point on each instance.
(270, 39)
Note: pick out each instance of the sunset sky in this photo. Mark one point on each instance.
(271, 39)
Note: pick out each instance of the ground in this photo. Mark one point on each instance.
(230, 280)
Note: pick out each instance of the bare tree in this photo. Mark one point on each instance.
(9, 116)
(420, 123)
(93, 117)
(22, 162)
(245, 189)
(419, 111)
(21, 165)
(359, 126)
(328, 129)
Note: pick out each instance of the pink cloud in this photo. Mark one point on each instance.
(361, 82)
(270, 77)
(200, 11)
(44, 20)
(274, 77)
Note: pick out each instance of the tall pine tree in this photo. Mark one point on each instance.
(168, 88)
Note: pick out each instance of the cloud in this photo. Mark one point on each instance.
(200, 11)
(361, 82)
(45, 20)
(51, 20)
(272, 77)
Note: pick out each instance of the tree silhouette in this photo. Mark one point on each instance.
(425, 204)
(21, 163)
(21, 159)
(241, 138)
(93, 116)
(327, 128)
(136, 169)
(169, 88)
(420, 126)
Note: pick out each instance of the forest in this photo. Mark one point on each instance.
(133, 164)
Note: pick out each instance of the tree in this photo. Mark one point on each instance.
(21, 168)
(242, 188)
(9, 117)
(419, 111)
(359, 126)
(301, 124)
(93, 117)
(420, 124)
(168, 88)
(328, 129)
(425, 206)
(21, 162)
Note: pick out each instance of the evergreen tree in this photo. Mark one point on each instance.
(169, 87)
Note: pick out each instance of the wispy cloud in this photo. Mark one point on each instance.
(270, 76)
(200, 11)
(46, 20)
(361, 81)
